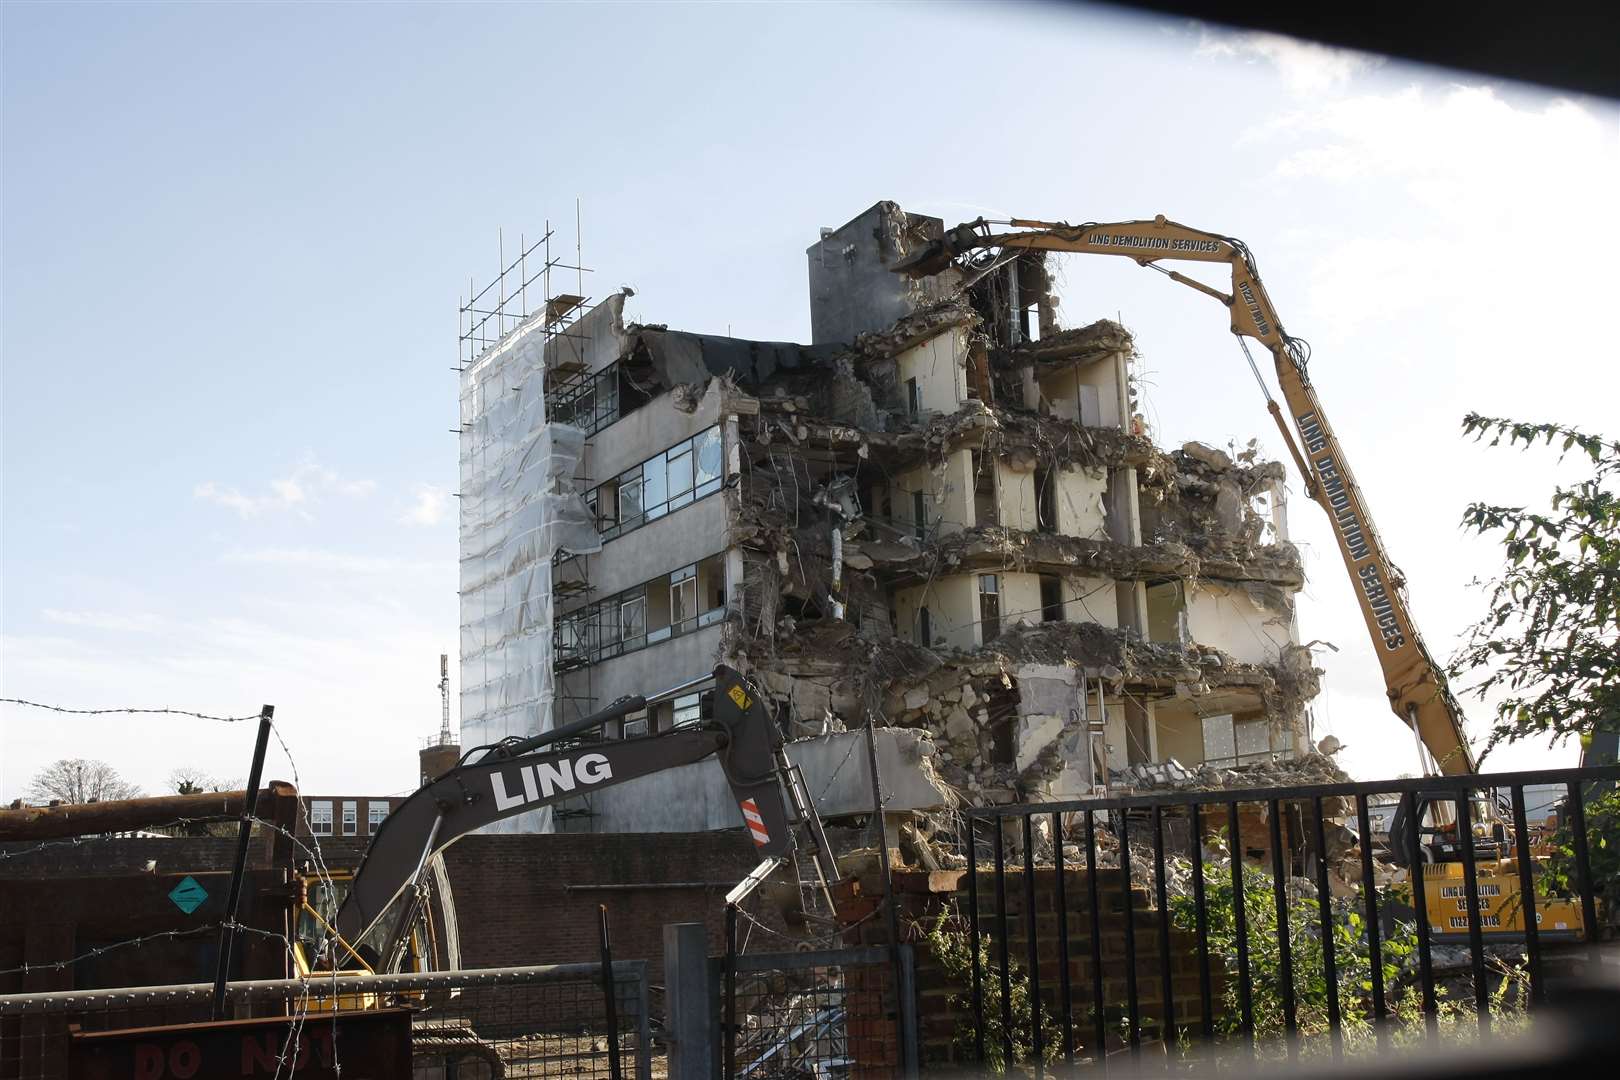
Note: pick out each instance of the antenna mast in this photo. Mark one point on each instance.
(444, 700)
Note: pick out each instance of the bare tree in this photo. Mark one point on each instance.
(79, 780)
(190, 780)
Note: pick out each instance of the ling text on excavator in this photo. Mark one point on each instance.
(376, 928)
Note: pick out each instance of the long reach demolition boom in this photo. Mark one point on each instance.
(1416, 685)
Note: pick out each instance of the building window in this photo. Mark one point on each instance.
(1051, 598)
(320, 817)
(1045, 500)
(688, 710)
(989, 608)
(665, 482)
(628, 488)
(1253, 738)
(633, 619)
(655, 611)
(683, 595)
(351, 817)
(925, 628)
(1220, 741)
(985, 511)
(634, 725)
(708, 462)
(375, 813)
(919, 514)
(913, 398)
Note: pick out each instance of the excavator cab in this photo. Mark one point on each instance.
(317, 952)
(1437, 862)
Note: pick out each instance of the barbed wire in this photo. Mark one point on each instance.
(123, 709)
(286, 1058)
(79, 841)
(59, 965)
(324, 875)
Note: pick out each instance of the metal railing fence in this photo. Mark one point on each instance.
(1126, 924)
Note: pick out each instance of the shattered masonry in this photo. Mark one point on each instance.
(955, 520)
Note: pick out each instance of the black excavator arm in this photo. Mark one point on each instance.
(511, 778)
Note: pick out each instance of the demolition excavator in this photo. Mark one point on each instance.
(383, 919)
(1416, 685)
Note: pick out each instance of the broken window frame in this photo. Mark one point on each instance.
(986, 505)
(683, 598)
(925, 628)
(1051, 607)
(590, 402)
(989, 608)
(1045, 499)
(634, 726)
(919, 513)
(913, 397)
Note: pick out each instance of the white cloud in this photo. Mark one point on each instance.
(296, 491)
(1305, 67)
(122, 622)
(330, 561)
(430, 508)
(1480, 173)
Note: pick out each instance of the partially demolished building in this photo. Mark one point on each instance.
(944, 514)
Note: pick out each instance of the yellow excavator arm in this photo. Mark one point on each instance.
(1416, 685)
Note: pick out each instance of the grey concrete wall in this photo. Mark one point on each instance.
(654, 427)
(696, 798)
(675, 540)
(851, 288)
(649, 670)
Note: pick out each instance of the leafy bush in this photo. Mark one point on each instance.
(1352, 962)
(1603, 850)
(953, 948)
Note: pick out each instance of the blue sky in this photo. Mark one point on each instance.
(235, 237)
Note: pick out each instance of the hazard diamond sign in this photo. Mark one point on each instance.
(188, 895)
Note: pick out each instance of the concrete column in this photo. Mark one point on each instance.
(686, 1002)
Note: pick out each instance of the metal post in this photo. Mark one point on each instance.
(610, 1001)
(1369, 897)
(227, 926)
(686, 1001)
(1527, 898)
(729, 1036)
(1476, 930)
(973, 937)
(891, 909)
(1285, 954)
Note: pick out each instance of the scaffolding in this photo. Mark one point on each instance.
(519, 311)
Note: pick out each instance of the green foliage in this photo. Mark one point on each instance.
(1351, 957)
(952, 947)
(1549, 641)
(1562, 876)
(1352, 962)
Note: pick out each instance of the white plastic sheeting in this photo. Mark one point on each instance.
(520, 505)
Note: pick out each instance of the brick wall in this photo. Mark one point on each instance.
(66, 900)
(519, 900)
(528, 900)
(923, 896)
